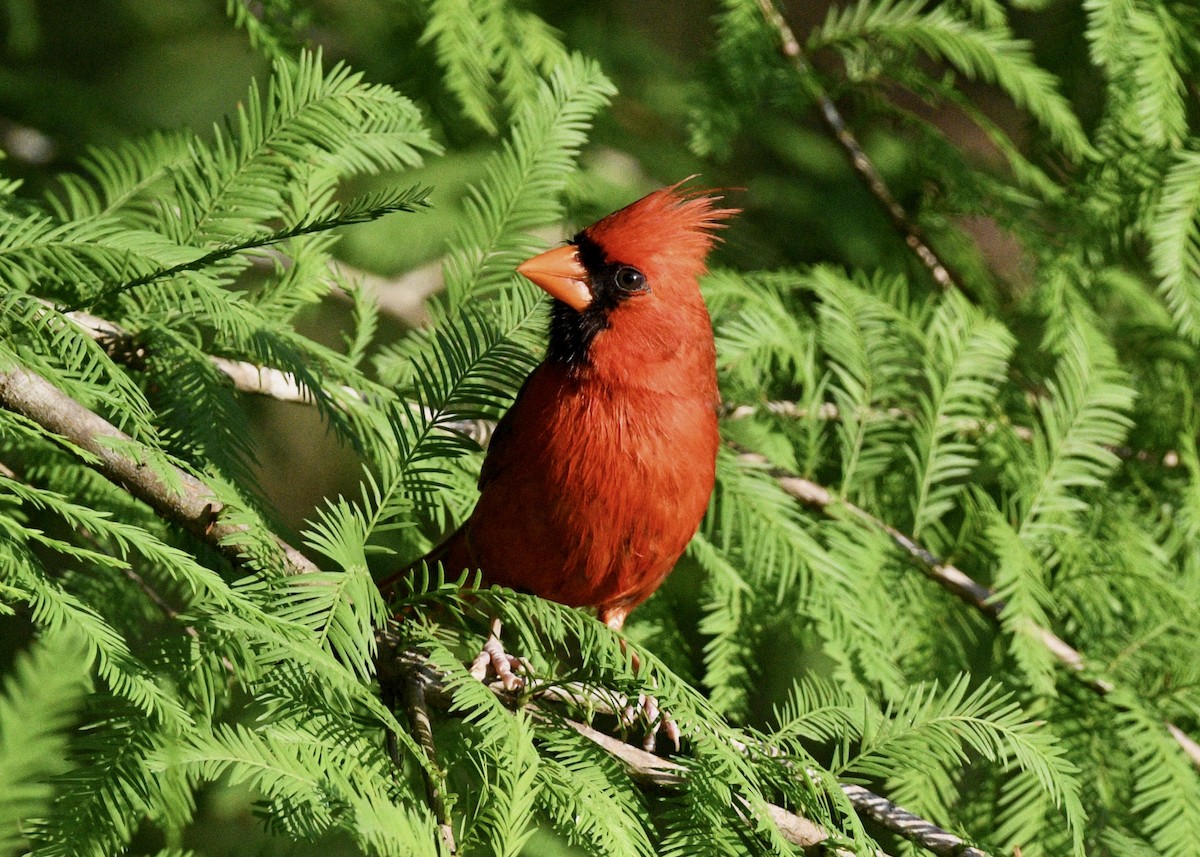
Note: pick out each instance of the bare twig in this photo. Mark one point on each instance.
(182, 498)
(158, 601)
(272, 383)
(909, 825)
(942, 274)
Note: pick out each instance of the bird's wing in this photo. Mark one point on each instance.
(500, 446)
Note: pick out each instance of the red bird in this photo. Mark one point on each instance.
(597, 477)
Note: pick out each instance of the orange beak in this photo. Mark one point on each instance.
(560, 273)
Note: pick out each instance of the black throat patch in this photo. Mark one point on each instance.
(572, 332)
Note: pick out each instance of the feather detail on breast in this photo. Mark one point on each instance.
(591, 491)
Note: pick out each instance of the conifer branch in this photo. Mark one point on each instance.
(246, 377)
(253, 379)
(957, 582)
(275, 383)
(192, 504)
(409, 667)
(180, 497)
(879, 809)
(941, 273)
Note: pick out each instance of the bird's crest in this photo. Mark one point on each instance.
(673, 226)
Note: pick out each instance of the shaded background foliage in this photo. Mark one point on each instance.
(1071, 222)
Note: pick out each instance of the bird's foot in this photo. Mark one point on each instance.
(656, 720)
(493, 660)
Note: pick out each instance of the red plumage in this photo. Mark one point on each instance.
(599, 474)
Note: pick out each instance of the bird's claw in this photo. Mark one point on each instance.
(656, 721)
(492, 658)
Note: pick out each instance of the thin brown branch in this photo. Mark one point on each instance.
(956, 582)
(909, 825)
(180, 497)
(172, 614)
(153, 595)
(164, 606)
(158, 601)
(246, 377)
(941, 273)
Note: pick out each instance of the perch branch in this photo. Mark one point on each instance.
(942, 274)
(644, 767)
(183, 498)
(195, 506)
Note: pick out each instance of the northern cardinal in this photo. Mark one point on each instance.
(597, 477)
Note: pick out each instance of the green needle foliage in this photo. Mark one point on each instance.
(177, 682)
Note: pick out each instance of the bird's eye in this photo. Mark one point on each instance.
(631, 279)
